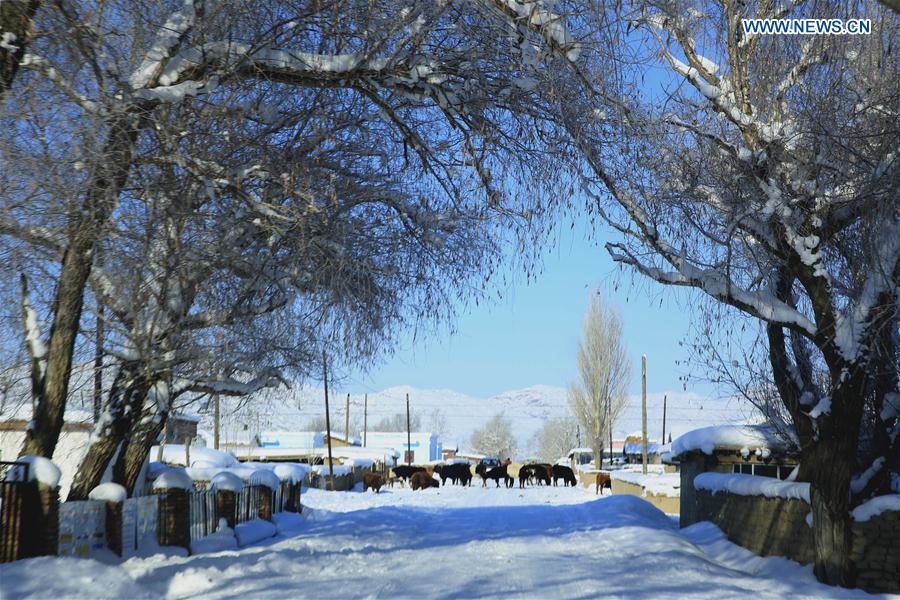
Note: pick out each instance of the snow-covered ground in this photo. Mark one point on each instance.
(446, 543)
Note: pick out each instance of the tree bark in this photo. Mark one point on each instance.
(106, 181)
(137, 445)
(832, 461)
(16, 18)
(108, 436)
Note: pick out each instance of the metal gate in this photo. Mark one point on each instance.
(248, 503)
(202, 505)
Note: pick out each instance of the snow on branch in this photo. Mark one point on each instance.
(760, 304)
(167, 39)
(36, 347)
(43, 66)
(851, 325)
(229, 386)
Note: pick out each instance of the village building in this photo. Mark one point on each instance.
(422, 447)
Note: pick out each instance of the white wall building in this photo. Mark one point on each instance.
(425, 446)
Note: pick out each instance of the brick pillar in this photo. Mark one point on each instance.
(226, 507)
(47, 521)
(173, 526)
(265, 503)
(114, 527)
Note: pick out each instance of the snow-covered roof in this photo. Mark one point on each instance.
(751, 485)
(729, 437)
(638, 447)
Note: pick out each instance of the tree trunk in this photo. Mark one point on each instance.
(16, 18)
(109, 435)
(103, 189)
(597, 449)
(831, 461)
(136, 446)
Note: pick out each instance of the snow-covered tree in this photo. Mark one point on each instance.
(598, 396)
(495, 438)
(555, 438)
(764, 175)
(397, 422)
(404, 129)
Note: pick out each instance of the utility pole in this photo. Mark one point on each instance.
(663, 438)
(217, 423)
(408, 435)
(365, 418)
(644, 411)
(347, 420)
(327, 421)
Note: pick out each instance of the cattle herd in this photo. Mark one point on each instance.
(418, 477)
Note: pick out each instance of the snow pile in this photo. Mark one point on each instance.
(876, 506)
(226, 481)
(752, 485)
(254, 531)
(223, 539)
(173, 479)
(291, 472)
(265, 478)
(108, 492)
(40, 469)
(174, 454)
(659, 484)
(729, 437)
(338, 469)
(365, 463)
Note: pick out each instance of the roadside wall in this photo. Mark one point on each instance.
(778, 527)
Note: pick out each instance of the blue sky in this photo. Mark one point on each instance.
(530, 336)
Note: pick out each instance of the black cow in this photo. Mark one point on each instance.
(404, 472)
(565, 473)
(457, 473)
(496, 474)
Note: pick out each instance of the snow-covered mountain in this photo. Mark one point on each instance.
(455, 415)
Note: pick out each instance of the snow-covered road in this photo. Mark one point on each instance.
(447, 543)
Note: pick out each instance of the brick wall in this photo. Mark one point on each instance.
(766, 526)
(876, 552)
(778, 527)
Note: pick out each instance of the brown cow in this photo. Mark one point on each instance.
(373, 480)
(422, 480)
(603, 481)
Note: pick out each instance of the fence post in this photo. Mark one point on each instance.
(292, 502)
(226, 506)
(173, 525)
(45, 522)
(114, 527)
(265, 503)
